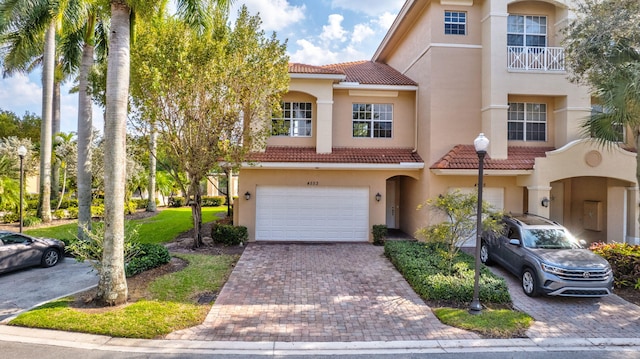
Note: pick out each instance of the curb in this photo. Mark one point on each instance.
(105, 343)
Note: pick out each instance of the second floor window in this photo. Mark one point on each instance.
(455, 23)
(527, 30)
(372, 120)
(527, 121)
(295, 120)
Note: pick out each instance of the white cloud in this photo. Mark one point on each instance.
(369, 7)
(386, 20)
(312, 54)
(333, 30)
(361, 32)
(275, 14)
(19, 92)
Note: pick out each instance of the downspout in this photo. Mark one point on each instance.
(415, 120)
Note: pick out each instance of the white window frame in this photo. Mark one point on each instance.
(300, 119)
(455, 22)
(526, 27)
(372, 115)
(526, 116)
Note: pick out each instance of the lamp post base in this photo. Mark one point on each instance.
(475, 307)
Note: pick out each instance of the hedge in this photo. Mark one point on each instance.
(426, 271)
(624, 260)
(151, 255)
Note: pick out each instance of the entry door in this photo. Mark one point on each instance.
(392, 204)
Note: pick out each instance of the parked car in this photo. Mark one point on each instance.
(547, 258)
(19, 250)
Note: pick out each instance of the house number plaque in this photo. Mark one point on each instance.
(312, 183)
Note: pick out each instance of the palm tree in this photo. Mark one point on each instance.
(112, 285)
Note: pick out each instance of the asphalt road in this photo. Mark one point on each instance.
(24, 289)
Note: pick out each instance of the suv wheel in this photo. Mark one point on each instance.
(484, 254)
(529, 283)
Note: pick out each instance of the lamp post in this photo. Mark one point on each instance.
(22, 151)
(481, 143)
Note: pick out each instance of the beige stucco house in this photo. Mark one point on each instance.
(365, 143)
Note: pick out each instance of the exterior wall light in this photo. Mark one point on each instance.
(545, 202)
(247, 195)
(378, 197)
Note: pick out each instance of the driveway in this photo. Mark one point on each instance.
(565, 317)
(318, 293)
(26, 288)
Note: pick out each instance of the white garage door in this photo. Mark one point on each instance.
(325, 214)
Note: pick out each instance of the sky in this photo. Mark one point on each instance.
(318, 32)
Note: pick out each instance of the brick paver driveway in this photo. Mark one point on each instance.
(564, 317)
(316, 293)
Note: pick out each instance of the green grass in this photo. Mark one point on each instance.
(491, 323)
(173, 305)
(161, 228)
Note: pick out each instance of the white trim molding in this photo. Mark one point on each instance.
(411, 166)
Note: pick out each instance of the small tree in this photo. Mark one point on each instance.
(459, 224)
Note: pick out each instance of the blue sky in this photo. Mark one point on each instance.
(318, 32)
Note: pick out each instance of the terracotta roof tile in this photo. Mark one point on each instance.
(338, 155)
(372, 73)
(296, 68)
(465, 157)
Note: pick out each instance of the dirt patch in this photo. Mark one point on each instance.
(629, 294)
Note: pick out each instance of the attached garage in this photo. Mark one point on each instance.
(312, 214)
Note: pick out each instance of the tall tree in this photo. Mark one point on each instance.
(112, 286)
(209, 94)
(603, 51)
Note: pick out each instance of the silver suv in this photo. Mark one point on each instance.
(547, 258)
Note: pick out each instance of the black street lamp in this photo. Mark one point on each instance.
(22, 151)
(481, 144)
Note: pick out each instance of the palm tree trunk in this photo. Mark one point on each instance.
(112, 284)
(64, 182)
(55, 129)
(85, 134)
(153, 146)
(48, 67)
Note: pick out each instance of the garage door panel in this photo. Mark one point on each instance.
(312, 213)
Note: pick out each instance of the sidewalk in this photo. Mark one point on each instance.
(97, 342)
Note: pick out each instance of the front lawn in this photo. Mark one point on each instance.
(160, 228)
(171, 304)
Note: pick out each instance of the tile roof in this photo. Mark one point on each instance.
(372, 73)
(296, 68)
(465, 157)
(338, 155)
(364, 72)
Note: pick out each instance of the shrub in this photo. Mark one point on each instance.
(624, 260)
(59, 213)
(130, 207)
(428, 273)
(91, 249)
(213, 201)
(176, 201)
(31, 204)
(68, 202)
(229, 235)
(29, 221)
(150, 256)
(379, 234)
(10, 217)
(72, 212)
(140, 203)
(97, 211)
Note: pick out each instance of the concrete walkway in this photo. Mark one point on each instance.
(318, 293)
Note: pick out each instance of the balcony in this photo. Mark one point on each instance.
(535, 58)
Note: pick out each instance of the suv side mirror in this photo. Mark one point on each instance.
(514, 241)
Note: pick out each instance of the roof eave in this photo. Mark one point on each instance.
(338, 77)
(411, 166)
(474, 172)
(392, 30)
(359, 86)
